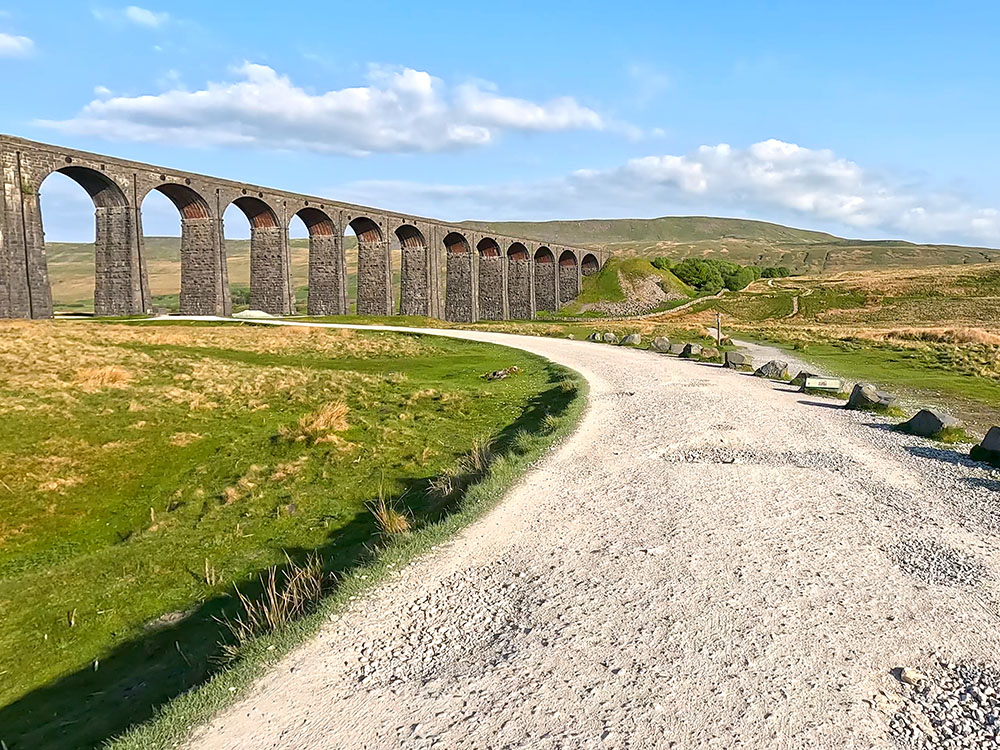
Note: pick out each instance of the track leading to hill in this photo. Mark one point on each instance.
(711, 560)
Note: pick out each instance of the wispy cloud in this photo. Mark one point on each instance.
(648, 82)
(399, 110)
(768, 180)
(132, 15)
(12, 45)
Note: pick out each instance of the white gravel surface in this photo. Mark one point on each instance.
(711, 560)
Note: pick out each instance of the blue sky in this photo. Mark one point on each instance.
(865, 119)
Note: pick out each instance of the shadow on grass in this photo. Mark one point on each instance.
(129, 684)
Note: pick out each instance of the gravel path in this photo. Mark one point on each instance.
(711, 560)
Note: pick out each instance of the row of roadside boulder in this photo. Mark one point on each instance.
(928, 423)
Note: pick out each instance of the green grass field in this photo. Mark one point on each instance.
(148, 469)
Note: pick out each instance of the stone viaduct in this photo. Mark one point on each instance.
(486, 276)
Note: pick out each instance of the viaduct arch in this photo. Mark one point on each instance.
(485, 276)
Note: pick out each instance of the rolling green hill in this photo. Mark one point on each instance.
(743, 241)
(71, 265)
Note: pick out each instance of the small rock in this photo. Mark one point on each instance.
(773, 370)
(633, 339)
(594, 336)
(691, 350)
(710, 352)
(660, 344)
(911, 676)
(866, 397)
(738, 361)
(928, 423)
(676, 348)
(502, 374)
(609, 338)
(250, 314)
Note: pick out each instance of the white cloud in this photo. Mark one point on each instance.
(771, 180)
(15, 46)
(133, 15)
(144, 17)
(401, 110)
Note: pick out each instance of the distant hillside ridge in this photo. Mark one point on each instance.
(744, 241)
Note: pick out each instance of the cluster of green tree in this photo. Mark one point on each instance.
(710, 275)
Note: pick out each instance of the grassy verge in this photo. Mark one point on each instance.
(955, 377)
(153, 468)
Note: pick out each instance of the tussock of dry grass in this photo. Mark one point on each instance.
(388, 519)
(285, 596)
(92, 379)
(961, 335)
(320, 426)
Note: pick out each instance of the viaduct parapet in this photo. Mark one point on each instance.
(486, 276)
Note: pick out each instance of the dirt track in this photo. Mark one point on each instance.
(711, 560)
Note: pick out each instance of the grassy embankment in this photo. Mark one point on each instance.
(605, 287)
(148, 470)
(931, 334)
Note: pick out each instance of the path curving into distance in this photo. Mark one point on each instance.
(711, 560)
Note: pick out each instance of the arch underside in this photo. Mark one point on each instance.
(492, 280)
(374, 268)
(327, 274)
(520, 304)
(460, 285)
(415, 281)
(569, 277)
(545, 280)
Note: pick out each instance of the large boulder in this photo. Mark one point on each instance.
(800, 379)
(660, 344)
(676, 348)
(633, 339)
(609, 338)
(928, 423)
(738, 361)
(691, 350)
(866, 397)
(989, 449)
(710, 352)
(773, 370)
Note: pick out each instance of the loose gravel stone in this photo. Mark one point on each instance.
(956, 707)
(933, 562)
